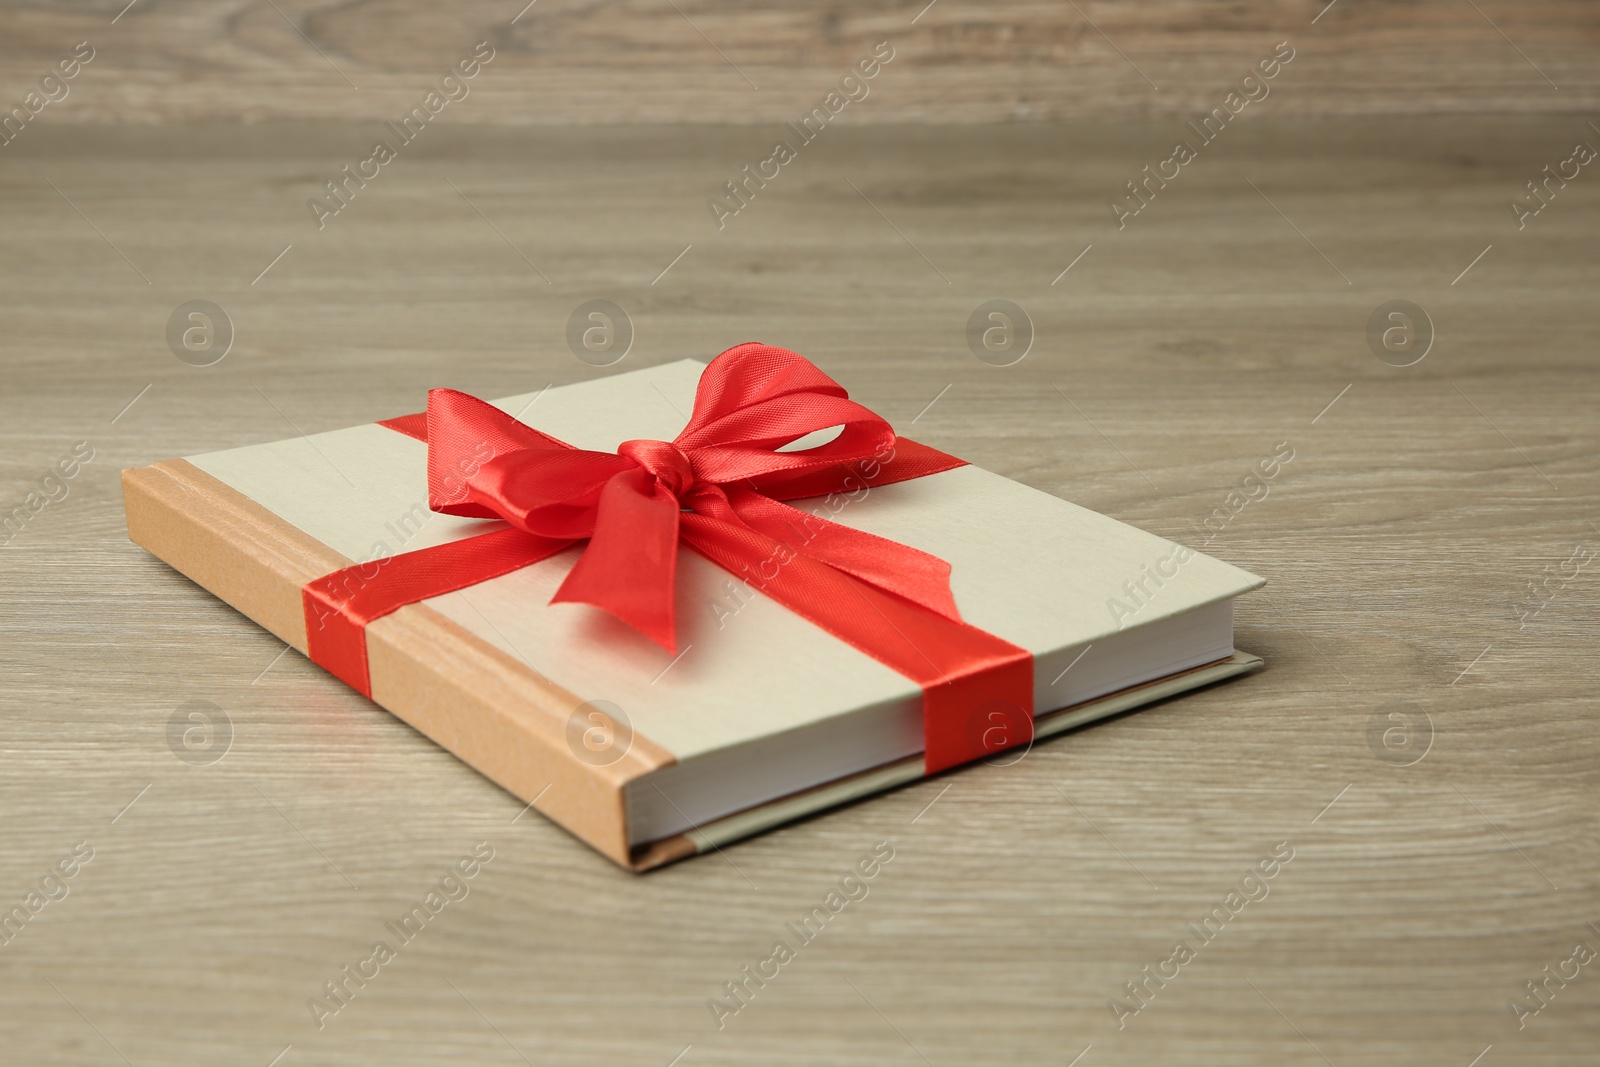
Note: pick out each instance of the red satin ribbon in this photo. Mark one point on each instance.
(717, 488)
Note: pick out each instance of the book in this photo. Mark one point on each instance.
(759, 716)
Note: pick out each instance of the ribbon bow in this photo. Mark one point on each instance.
(718, 488)
(713, 485)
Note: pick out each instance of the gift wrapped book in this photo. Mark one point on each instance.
(678, 606)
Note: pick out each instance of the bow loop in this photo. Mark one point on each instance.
(464, 435)
(754, 400)
(752, 373)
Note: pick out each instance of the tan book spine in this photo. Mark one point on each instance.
(491, 710)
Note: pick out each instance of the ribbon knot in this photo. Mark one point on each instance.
(663, 459)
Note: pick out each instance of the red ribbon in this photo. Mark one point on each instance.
(716, 488)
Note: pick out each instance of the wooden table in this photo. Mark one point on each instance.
(1429, 754)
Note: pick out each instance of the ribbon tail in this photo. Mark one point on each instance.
(920, 577)
(977, 688)
(630, 565)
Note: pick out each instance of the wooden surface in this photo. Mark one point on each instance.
(1172, 357)
(579, 61)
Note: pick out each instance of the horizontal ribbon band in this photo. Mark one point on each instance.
(718, 488)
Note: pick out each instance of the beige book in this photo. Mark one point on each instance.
(761, 716)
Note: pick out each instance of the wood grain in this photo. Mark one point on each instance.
(1230, 315)
(711, 61)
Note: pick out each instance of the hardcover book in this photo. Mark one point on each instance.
(725, 702)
